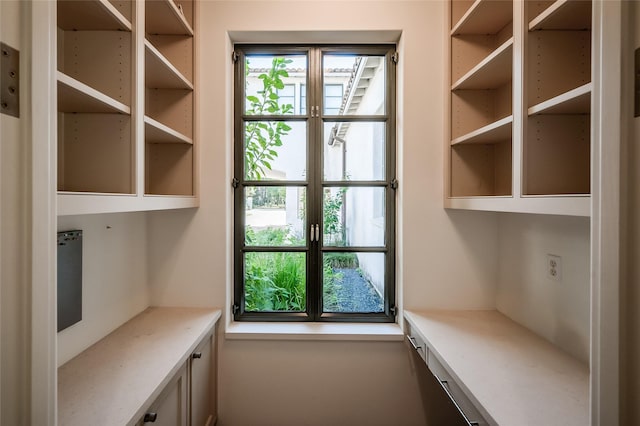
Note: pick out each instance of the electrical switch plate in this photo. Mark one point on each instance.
(554, 267)
(9, 80)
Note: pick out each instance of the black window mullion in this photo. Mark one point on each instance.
(315, 183)
(315, 160)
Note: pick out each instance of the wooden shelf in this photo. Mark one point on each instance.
(557, 155)
(576, 101)
(564, 15)
(498, 131)
(74, 15)
(160, 73)
(479, 170)
(80, 203)
(164, 17)
(156, 132)
(74, 96)
(494, 71)
(484, 17)
(566, 205)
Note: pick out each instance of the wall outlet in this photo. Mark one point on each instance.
(554, 267)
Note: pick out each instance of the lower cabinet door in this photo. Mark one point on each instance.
(202, 384)
(439, 408)
(170, 409)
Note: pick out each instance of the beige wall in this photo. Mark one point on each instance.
(446, 259)
(317, 383)
(15, 157)
(557, 310)
(114, 276)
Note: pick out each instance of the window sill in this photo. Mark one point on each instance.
(313, 331)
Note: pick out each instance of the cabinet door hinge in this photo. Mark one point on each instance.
(395, 57)
(10, 81)
(234, 57)
(394, 184)
(234, 183)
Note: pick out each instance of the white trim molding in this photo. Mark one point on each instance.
(44, 154)
(605, 215)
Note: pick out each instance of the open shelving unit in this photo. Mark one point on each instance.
(557, 144)
(519, 136)
(125, 105)
(168, 130)
(480, 143)
(95, 143)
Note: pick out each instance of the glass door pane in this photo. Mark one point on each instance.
(275, 150)
(275, 216)
(275, 282)
(354, 151)
(275, 84)
(353, 217)
(353, 282)
(354, 84)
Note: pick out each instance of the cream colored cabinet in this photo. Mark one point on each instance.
(202, 384)
(519, 134)
(170, 408)
(189, 398)
(125, 105)
(157, 368)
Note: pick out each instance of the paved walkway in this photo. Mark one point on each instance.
(356, 294)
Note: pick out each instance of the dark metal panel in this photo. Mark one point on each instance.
(69, 278)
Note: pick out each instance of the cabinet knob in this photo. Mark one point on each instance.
(150, 417)
(196, 355)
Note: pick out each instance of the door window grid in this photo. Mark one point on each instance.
(339, 257)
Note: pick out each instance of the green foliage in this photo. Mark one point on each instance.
(341, 260)
(332, 278)
(330, 287)
(263, 138)
(331, 221)
(272, 236)
(269, 196)
(267, 237)
(275, 282)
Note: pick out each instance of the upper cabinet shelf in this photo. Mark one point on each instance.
(165, 17)
(484, 17)
(493, 133)
(156, 132)
(576, 101)
(492, 72)
(564, 15)
(160, 73)
(90, 15)
(74, 96)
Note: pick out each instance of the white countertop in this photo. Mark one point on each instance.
(512, 375)
(115, 381)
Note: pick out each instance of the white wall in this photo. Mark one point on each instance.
(446, 259)
(15, 225)
(556, 310)
(114, 277)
